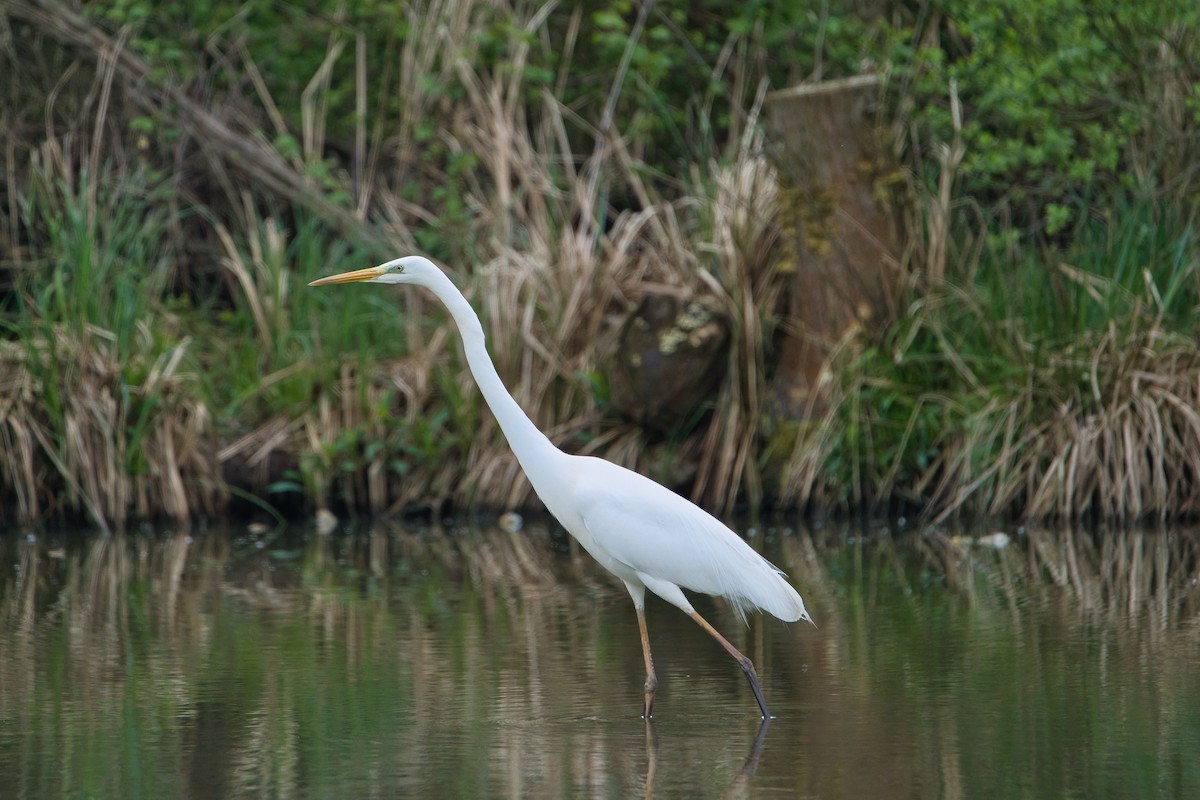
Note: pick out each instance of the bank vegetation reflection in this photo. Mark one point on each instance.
(430, 655)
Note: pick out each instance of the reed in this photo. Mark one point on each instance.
(101, 411)
(160, 356)
(550, 263)
(1047, 393)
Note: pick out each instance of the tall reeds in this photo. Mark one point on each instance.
(100, 413)
(1067, 392)
(550, 263)
(160, 354)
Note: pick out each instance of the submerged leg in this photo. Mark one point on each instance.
(651, 678)
(743, 662)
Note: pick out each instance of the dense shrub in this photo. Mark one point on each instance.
(1064, 103)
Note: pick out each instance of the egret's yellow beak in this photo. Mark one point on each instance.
(350, 277)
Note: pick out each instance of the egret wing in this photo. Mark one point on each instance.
(651, 530)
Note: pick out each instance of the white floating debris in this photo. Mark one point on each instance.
(510, 521)
(325, 521)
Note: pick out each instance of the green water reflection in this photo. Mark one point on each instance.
(404, 662)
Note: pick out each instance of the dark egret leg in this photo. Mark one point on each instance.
(651, 678)
(743, 662)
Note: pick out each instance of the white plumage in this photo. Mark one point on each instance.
(653, 531)
(645, 534)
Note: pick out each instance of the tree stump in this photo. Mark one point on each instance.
(668, 357)
(834, 170)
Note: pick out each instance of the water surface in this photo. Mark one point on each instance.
(394, 661)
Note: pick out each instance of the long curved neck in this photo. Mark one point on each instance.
(536, 453)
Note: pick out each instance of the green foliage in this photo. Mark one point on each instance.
(671, 88)
(451, 238)
(1057, 98)
(104, 246)
(1063, 102)
(105, 266)
(279, 343)
(287, 41)
(404, 447)
(683, 89)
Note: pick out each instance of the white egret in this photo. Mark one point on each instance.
(645, 534)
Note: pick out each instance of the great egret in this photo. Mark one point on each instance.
(646, 535)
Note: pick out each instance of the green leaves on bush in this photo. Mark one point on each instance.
(1063, 101)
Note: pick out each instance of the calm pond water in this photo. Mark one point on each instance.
(392, 661)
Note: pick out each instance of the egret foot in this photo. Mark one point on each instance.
(743, 662)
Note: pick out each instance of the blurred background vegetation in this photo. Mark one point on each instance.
(174, 172)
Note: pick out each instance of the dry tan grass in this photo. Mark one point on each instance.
(550, 297)
(261, 275)
(1127, 447)
(556, 267)
(1123, 446)
(551, 281)
(1131, 448)
(105, 426)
